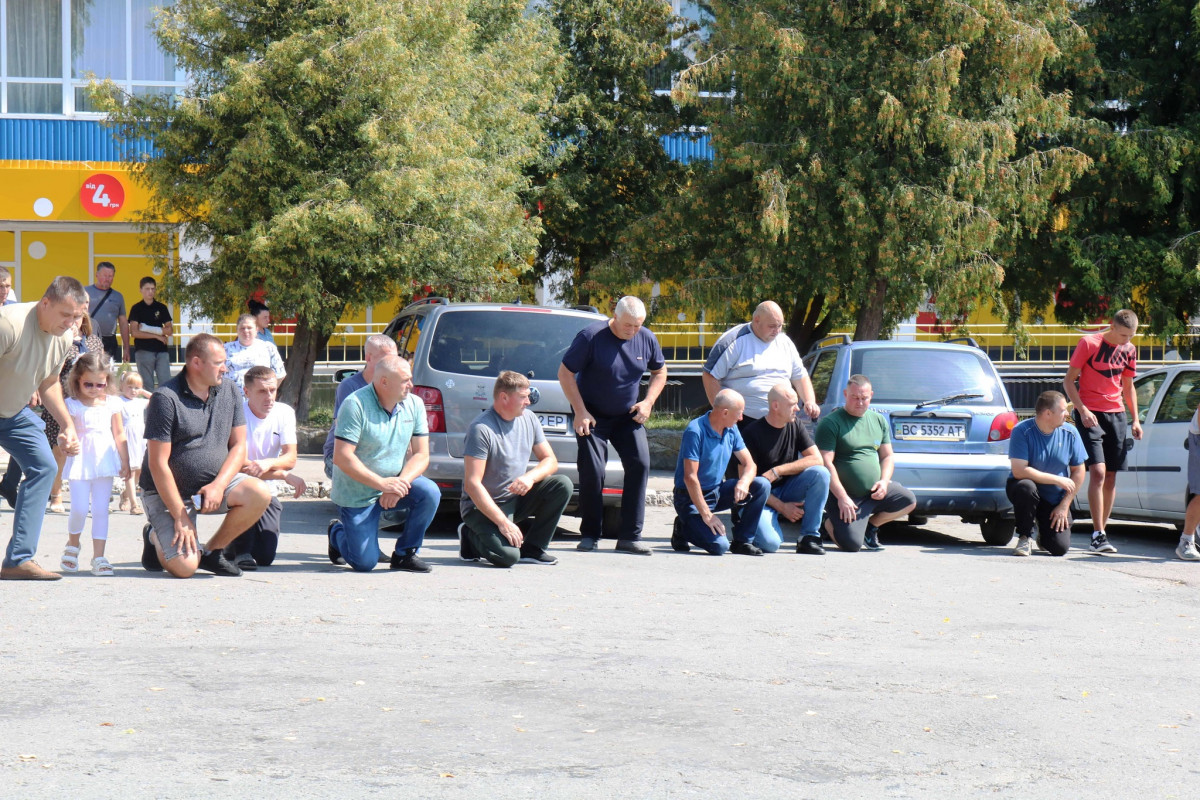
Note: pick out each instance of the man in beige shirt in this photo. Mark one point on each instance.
(34, 341)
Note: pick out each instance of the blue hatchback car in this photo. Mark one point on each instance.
(950, 420)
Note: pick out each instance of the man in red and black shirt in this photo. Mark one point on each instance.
(1104, 366)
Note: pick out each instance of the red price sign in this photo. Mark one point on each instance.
(102, 195)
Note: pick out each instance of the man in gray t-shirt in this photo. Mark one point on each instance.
(195, 449)
(500, 490)
(106, 307)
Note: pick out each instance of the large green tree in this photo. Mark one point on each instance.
(336, 152)
(606, 166)
(871, 153)
(1130, 229)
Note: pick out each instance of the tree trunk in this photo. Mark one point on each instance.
(297, 386)
(869, 322)
(807, 326)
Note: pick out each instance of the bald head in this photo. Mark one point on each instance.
(782, 404)
(767, 321)
(392, 381)
(727, 409)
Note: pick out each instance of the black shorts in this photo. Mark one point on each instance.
(1108, 441)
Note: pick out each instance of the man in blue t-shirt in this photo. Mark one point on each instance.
(601, 374)
(1047, 470)
(707, 444)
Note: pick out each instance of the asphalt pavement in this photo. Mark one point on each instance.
(939, 667)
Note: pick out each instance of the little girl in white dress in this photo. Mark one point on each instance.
(102, 456)
(133, 416)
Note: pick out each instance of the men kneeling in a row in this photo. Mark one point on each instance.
(846, 473)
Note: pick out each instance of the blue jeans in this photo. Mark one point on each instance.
(23, 437)
(720, 498)
(810, 486)
(356, 532)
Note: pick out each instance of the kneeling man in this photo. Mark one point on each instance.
(857, 447)
(374, 428)
(708, 442)
(1048, 459)
(500, 490)
(195, 448)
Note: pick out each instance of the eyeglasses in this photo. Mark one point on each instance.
(90, 385)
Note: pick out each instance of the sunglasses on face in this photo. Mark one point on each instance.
(90, 385)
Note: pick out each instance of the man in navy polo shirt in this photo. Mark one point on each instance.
(707, 444)
(600, 375)
(371, 474)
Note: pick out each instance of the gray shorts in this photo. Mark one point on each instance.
(162, 524)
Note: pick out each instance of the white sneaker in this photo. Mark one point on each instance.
(1186, 551)
(1024, 546)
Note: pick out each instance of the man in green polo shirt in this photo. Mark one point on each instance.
(375, 426)
(857, 448)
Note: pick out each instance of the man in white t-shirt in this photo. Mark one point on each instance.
(270, 454)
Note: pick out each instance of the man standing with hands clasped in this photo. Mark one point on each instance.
(1104, 364)
(600, 375)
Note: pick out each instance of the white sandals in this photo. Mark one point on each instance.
(70, 559)
(101, 567)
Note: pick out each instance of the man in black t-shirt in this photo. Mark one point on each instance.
(601, 374)
(786, 456)
(150, 327)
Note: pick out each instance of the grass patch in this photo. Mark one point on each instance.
(667, 422)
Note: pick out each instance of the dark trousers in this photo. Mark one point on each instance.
(11, 480)
(262, 539)
(1030, 508)
(544, 503)
(628, 438)
(112, 346)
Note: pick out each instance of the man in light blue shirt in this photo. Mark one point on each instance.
(377, 346)
(371, 473)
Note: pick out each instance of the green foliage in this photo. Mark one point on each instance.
(1129, 236)
(337, 152)
(871, 154)
(606, 165)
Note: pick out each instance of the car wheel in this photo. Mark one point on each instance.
(998, 531)
(612, 522)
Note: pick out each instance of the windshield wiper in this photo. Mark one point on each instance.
(950, 399)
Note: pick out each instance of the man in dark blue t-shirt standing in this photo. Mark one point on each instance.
(600, 375)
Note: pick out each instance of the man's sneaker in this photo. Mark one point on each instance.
(633, 546)
(150, 561)
(1186, 551)
(217, 564)
(1024, 546)
(246, 563)
(587, 544)
(542, 557)
(810, 546)
(678, 542)
(335, 557)
(745, 549)
(1100, 543)
(871, 538)
(466, 550)
(10, 494)
(408, 563)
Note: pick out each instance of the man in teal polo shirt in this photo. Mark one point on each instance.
(371, 474)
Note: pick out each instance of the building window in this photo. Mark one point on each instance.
(52, 48)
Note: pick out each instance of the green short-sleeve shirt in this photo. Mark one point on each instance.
(855, 442)
(380, 441)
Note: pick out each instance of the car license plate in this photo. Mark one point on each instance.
(554, 423)
(911, 430)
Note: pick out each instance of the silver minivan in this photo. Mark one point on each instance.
(458, 349)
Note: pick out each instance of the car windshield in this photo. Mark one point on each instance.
(903, 375)
(484, 342)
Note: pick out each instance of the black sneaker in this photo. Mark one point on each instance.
(587, 544)
(9, 494)
(246, 563)
(871, 538)
(633, 546)
(745, 549)
(1100, 543)
(150, 561)
(466, 550)
(678, 543)
(408, 563)
(217, 564)
(542, 557)
(335, 557)
(810, 546)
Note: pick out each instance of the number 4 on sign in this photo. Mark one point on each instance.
(100, 198)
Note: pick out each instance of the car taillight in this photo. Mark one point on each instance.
(435, 412)
(1002, 427)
